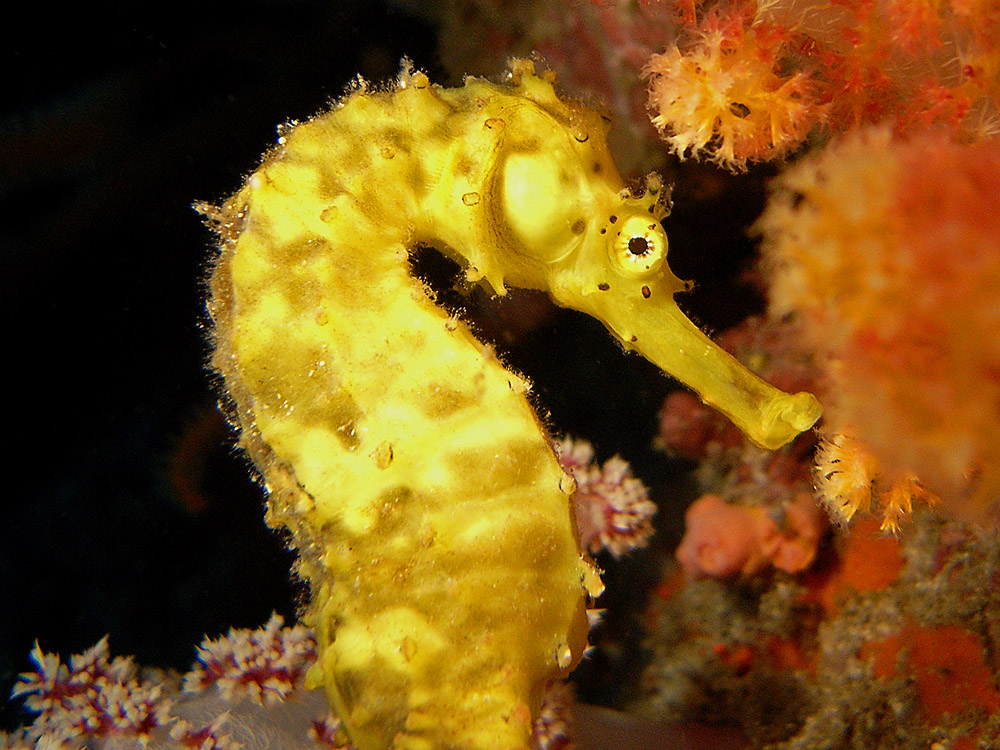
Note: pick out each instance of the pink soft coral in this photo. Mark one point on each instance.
(722, 539)
(613, 509)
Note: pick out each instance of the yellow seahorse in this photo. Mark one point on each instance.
(430, 514)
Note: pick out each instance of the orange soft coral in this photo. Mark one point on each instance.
(889, 250)
(723, 539)
(848, 480)
(721, 93)
(750, 80)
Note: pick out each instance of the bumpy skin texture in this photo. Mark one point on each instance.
(430, 514)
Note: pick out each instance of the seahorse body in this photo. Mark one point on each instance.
(429, 511)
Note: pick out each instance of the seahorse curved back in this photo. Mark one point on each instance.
(431, 516)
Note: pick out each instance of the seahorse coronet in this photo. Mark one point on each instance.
(430, 514)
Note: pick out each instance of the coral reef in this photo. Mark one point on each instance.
(742, 81)
(873, 641)
(884, 644)
(748, 81)
(245, 690)
(721, 90)
(723, 539)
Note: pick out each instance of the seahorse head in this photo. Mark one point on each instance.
(567, 217)
(594, 245)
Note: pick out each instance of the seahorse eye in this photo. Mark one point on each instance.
(638, 246)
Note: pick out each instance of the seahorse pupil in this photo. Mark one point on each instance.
(638, 246)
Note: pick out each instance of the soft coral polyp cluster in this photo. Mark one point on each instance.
(888, 250)
(751, 79)
(721, 93)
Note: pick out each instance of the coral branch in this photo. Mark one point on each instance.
(613, 509)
